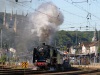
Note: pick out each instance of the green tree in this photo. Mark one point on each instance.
(99, 49)
(3, 58)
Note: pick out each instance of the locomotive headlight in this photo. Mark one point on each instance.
(35, 60)
(41, 49)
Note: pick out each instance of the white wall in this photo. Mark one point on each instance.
(73, 50)
(94, 49)
(83, 49)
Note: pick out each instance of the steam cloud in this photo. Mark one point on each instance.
(46, 20)
(44, 23)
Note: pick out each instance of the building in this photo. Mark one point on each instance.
(91, 47)
(85, 47)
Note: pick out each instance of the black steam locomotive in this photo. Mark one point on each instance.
(44, 56)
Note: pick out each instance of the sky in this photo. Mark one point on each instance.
(81, 15)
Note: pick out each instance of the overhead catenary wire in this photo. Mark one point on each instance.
(78, 16)
(34, 9)
(89, 14)
(70, 12)
(22, 1)
(60, 8)
(79, 28)
(80, 1)
(82, 9)
(47, 14)
(87, 17)
(70, 23)
(23, 5)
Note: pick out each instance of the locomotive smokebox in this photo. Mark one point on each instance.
(42, 52)
(45, 55)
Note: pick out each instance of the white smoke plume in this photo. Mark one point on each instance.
(44, 23)
(46, 20)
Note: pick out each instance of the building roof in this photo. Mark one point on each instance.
(86, 44)
(89, 44)
(96, 43)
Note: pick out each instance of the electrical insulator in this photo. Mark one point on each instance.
(16, 0)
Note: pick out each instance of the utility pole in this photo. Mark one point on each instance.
(98, 45)
(76, 38)
(1, 38)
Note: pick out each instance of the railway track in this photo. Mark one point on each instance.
(93, 72)
(72, 71)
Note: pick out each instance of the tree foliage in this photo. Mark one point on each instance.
(74, 37)
(3, 58)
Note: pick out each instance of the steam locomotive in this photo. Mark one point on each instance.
(45, 56)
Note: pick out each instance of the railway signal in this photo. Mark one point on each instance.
(24, 65)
